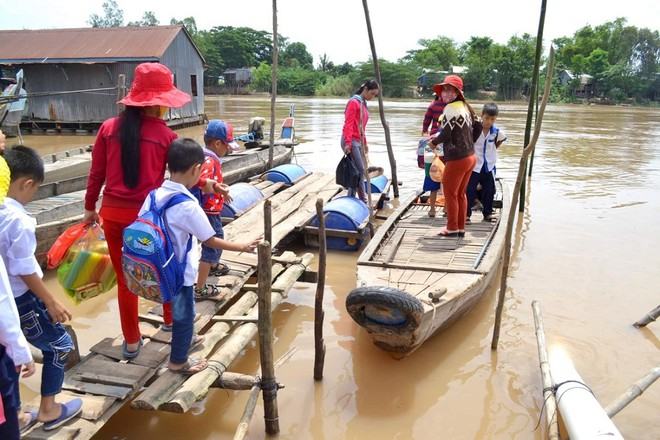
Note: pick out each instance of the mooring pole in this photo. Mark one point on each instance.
(121, 91)
(319, 344)
(268, 221)
(506, 258)
(265, 327)
(532, 96)
(648, 318)
(273, 94)
(551, 416)
(381, 109)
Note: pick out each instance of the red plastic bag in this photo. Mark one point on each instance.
(61, 246)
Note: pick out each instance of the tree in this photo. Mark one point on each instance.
(439, 54)
(514, 63)
(325, 65)
(148, 19)
(113, 16)
(478, 55)
(398, 79)
(296, 55)
(189, 23)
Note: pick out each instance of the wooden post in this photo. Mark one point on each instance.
(514, 200)
(121, 91)
(548, 396)
(386, 126)
(248, 412)
(265, 327)
(532, 95)
(268, 221)
(273, 94)
(319, 344)
(633, 392)
(648, 318)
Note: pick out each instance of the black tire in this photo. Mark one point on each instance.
(386, 297)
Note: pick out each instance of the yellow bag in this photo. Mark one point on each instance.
(437, 169)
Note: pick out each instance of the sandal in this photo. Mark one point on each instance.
(33, 421)
(128, 355)
(206, 292)
(219, 270)
(432, 213)
(70, 410)
(446, 233)
(490, 218)
(191, 366)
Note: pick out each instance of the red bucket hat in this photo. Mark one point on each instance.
(452, 80)
(153, 85)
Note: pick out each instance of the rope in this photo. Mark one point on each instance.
(553, 389)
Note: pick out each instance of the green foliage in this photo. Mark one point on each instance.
(478, 55)
(148, 19)
(298, 81)
(343, 85)
(398, 79)
(112, 16)
(438, 54)
(514, 64)
(296, 55)
(189, 23)
(262, 77)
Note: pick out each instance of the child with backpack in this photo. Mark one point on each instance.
(219, 141)
(170, 265)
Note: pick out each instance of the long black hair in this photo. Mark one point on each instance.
(129, 139)
(369, 84)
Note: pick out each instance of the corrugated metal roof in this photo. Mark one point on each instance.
(87, 44)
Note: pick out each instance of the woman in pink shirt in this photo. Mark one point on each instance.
(353, 140)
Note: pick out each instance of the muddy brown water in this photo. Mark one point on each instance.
(588, 248)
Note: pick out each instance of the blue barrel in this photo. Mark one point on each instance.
(344, 214)
(287, 173)
(244, 196)
(378, 184)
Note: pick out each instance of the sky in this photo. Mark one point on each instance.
(337, 27)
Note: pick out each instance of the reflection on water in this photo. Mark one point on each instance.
(593, 267)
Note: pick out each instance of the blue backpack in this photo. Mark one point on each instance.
(150, 267)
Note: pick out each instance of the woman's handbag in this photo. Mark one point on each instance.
(347, 174)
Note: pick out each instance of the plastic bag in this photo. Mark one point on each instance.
(347, 174)
(87, 270)
(437, 169)
(58, 250)
(421, 148)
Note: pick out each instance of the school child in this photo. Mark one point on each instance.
(187, 223)
(485, 150)
(41, 314)
(219, 141)
(433, 113)
(458, 131)
(15, 357)
(431, 120)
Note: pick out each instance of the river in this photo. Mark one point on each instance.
(587, 247)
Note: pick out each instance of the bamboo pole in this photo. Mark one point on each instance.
(633, 392)
(648, 318)
(248, 412)
(548, 395)
(273, 80)
(268, 222)
(319, 344)
(381, 109)
(265, 326)
(506, 258)
(121, 91)
(235, 381)
(532, 96)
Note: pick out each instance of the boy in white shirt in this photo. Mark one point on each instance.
(485, 150)
(15, 357)
(41, 314)
(185, 220)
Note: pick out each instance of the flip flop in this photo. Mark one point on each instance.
(446, 233)
(191, 363)
(33, 421)
(128, 355)
(166, 327)
(70, 410)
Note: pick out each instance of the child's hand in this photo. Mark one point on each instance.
(209, 186)
(223, 190)
(250, 247)
(58, 313)
(27, 369)
(2, 141)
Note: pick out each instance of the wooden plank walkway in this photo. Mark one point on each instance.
(106, 382)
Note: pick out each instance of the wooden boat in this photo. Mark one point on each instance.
(60, 204)
(412, 283)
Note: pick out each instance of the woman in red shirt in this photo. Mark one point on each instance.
(129, 157)
(353, 140)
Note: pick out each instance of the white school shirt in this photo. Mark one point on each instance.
(485, 146)
(11, 335)
(183, 221)
(18, 243)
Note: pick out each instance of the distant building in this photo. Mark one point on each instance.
(56, 60)
(585, 86)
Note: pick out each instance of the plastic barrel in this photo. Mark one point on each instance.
(345, 214)
(244, 196)
(287, 173)
(378, 184)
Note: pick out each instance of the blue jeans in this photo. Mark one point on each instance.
(9, 395)
(487, 180)
(183, 324)
(210, 255)
(52, 339)
(356, 155)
